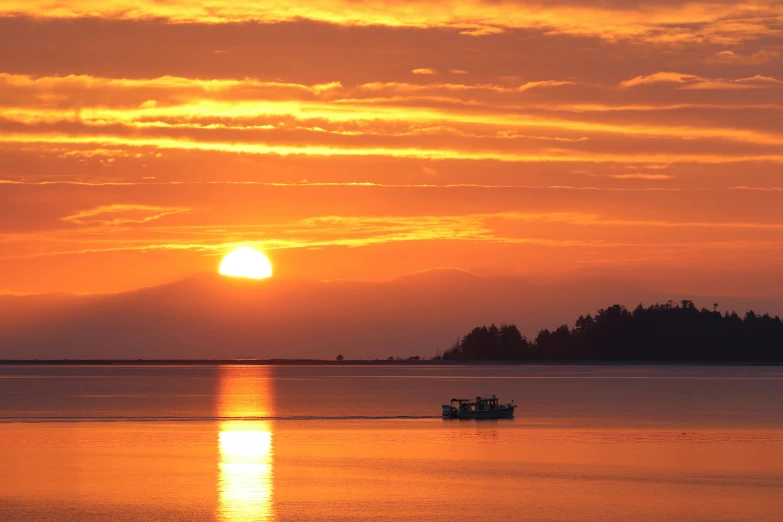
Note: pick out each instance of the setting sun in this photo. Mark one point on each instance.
(246, 262)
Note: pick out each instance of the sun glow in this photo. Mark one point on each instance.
(246, 466)
(246, 262)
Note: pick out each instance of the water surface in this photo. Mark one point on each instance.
(356, 443)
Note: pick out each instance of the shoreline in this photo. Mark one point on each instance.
(366, 362)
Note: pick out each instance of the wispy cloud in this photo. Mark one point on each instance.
(402, 87)
(120, 214)
(178, 83)
(388, 136)
(659, 77)
(640, 175)
(558, 156)
(349, 184)
(690, 81)
(175, 110)
(670, 23)
(361, 231)
(758, 189)
(759, 57)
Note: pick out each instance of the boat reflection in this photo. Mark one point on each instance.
(246, 475)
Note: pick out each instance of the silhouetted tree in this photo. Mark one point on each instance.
(670, 332)
(340, 358)
(491, 343)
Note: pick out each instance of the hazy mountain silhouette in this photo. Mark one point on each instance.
(218, 317)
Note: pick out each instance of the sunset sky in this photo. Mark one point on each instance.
(141, 140)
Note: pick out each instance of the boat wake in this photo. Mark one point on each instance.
(204, 418)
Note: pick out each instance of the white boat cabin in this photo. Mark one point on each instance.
(481, 404)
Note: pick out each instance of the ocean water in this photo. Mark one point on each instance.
(245, 443)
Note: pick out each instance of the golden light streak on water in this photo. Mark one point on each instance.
(245, 469)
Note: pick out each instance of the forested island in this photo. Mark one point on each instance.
(661, 332)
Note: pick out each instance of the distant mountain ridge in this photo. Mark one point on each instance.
(217, 317)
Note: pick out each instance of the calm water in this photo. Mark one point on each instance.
(358, 443)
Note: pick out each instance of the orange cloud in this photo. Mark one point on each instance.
(549, 163)
(355, 184)
(759, 57)
(393, 152)
(690, 81)
(659, 77)
(483, 30)
(363, 231)
(399, 87)
(84, 81)
(196, 109)
(639, 175)
(754, 82)
(119, 214)
(674, 23)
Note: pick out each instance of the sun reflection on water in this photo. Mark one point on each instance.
(246, 477)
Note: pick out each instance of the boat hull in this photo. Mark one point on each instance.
(504, 413)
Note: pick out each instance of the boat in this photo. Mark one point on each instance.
(480, 408)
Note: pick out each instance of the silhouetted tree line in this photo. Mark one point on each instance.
(664, 332)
